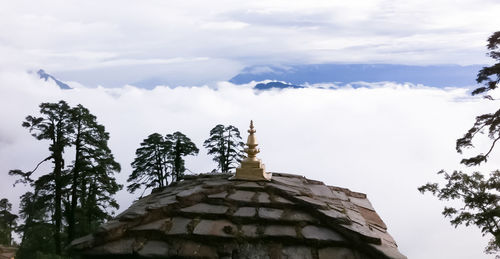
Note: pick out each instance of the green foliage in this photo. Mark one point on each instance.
(226, 146)
(92, 182)
(159, 158)
(7, 222)
(479, 195)
(151, 168)
(180, 146)
(76, 198)
(54, 125)
(37, 230)
(490, 78)
(480, 201)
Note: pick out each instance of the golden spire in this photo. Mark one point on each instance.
(251, 167)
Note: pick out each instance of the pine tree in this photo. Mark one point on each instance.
(180, 146)
(150, 165)
(7, 222)
(91, 174)
(85, 188)
(54, 125)
(479, 194)
(226, 146)
(38, 229)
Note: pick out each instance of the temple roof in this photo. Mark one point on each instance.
(211, 216)
(7, 252)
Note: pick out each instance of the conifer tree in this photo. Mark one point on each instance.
(150, 164)
(226, 146)
(7, 222)
(91, 174)
(85, 188)
(180, 146)
(54, 125)
(478, 194)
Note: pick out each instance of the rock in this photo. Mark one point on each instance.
(339, 252)
(295, 215)
(119, 247)
(244, 196)
(179, 226)
(204, 208)
(158, 225)
(279, 230)
(270, 213)
(222, 228)
(220, 195)
(193, 249)
(245, 212)
(263, 197)
(320, 233)
(249, 230)
(314, 202)
(296, 252)
(154, 248)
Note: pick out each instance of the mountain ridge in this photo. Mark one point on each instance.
(341, 74)
(43, 75)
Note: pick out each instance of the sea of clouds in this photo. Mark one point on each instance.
(383, 139)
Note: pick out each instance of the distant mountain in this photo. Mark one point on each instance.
(437, 75)
(279, 85)
(46, 77)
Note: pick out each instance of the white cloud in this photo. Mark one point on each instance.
(384, 141)
(68, 35)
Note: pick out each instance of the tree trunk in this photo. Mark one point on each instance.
(74, 184)
(57, 201)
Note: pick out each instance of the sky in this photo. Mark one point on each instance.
(113, 42)
(384, 139)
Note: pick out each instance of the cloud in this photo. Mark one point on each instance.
(384, 139)
(70, 36)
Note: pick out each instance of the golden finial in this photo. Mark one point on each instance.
(251, 167)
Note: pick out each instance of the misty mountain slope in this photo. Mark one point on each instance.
(436, 75)
(43, 75)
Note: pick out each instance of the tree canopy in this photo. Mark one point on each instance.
(72, 200)
(159, 158)
(226, 147)
(479, 194)
(151, 168)
(8, 222)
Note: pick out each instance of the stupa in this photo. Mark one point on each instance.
(252, 214)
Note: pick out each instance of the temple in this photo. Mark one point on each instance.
(246, 215)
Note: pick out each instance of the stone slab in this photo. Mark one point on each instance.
(220, 195)
(279, 199)
(336, 216)
(205, 208)
(119, 247)
(222, 228)
(245, 212)
(339, 252)
(244, 196)
(263, 197)
(314, 202)
(320, 233)
(249, 230)
(154, 248)
(179, 226)
(270, 213)
(280, 230)
(193, 249)
(296, 215)
(249, 185)
(297, 252)
(158, 225)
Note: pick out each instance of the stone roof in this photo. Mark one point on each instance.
(7, 252)
(210, 216)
